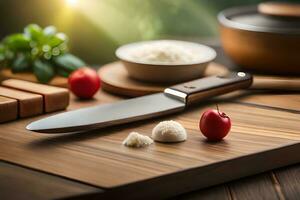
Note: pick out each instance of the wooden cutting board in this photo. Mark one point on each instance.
(115, 79)
(19, 99)
(58, 81)
(264, 135)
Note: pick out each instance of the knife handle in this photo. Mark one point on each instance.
(194, 91)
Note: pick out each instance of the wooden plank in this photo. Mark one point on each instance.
(283, 101)
(29, 104)
(284, 184)
(289, 180)
(279, 83)
(257, 187)
(99, 158)
(21, 183)
(8, 109)
(58, 81)
(55, 98)
(216, 193)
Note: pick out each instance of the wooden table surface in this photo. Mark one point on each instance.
(19, 182)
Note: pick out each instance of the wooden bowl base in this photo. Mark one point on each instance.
(115, 80)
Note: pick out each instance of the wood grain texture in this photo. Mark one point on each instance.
(55, 98)
(115, 79)
(258, 187)
(21, 183)
(282, 83)
(8, 109)
(98, 158)
(289, 180)
(56, 81)
(215, 193)
(29, 104)
(283, 101)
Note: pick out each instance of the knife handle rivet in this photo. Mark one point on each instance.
(241, 74)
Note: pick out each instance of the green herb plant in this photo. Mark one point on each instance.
(43, 52)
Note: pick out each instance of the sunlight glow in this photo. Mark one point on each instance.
(72, 3)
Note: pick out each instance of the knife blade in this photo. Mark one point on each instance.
(173, 99)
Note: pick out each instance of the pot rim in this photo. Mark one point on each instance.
(224, 19)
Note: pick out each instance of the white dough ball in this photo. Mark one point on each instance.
(169, 131)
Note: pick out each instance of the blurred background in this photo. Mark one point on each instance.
(97, 27)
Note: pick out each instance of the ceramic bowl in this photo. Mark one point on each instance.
(162, 72)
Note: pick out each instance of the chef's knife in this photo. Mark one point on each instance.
(173, 99)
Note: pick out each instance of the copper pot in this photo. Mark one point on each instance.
(264, 38)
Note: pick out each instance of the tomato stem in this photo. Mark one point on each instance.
(221, 114)
(218, 109)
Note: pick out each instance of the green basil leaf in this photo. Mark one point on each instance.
(44, 71)
(34, 32)
(20, 64)
(57, 39)
(54, 41)
(17, 42)
(68, 62)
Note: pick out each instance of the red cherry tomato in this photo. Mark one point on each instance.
(214, 125)
(84, 82)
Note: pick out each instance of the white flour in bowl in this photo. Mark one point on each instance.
(164, 52)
